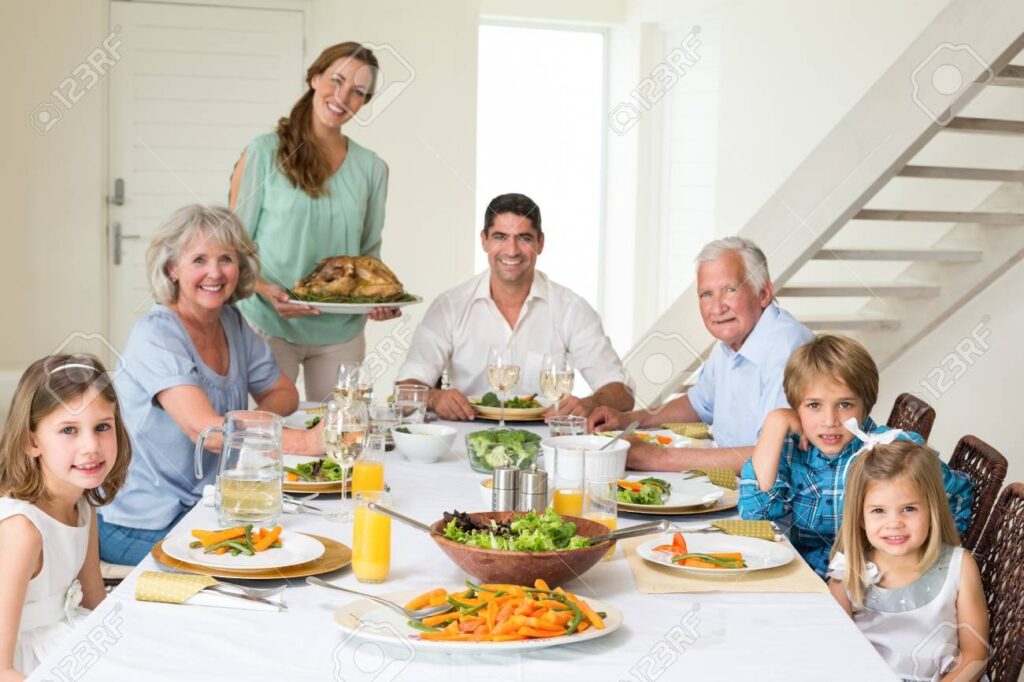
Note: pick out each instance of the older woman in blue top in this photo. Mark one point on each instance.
(191, 359)
(307, 192)
(741, 381)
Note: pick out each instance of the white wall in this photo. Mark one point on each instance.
(53, 187)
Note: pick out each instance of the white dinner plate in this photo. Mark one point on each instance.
(677, 440)
(686, 493)
(511, 414)
(370, 621)
(758, 554)
(355, 308)
(301, 486)
(296, 548)
(298, 419)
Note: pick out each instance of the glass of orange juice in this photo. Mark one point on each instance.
(368, 471)
(568, 496)
(371, 538)
(601, 504)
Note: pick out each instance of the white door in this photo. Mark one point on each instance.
(193, 86)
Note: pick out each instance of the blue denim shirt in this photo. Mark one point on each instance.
(812, 485)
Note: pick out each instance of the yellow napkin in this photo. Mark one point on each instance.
(170, 588)
(796, 576)
(723, 477)
(695, 430)
(761, 530)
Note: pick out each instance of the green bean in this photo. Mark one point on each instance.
(420, 626)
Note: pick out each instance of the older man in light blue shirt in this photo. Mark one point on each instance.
(741, 382)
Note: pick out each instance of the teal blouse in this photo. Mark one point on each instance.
(295, 231)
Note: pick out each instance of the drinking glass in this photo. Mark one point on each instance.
(368, 472)
(345, 426)
(556, 377)
(371, 538)
(502, 374)
(567, 426)
(569, 477)
(382, 417)
(600, 504)
(354, 383)
(411, 403)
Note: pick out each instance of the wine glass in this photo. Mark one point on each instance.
(345, 426)
(556, 377)
(502, 374)
(354, 382)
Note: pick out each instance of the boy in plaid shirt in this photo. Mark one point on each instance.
(802, 454)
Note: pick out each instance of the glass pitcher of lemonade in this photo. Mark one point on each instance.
(248, 484)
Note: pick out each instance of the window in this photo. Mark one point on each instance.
(540, 132)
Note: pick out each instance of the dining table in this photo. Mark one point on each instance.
(707, 635)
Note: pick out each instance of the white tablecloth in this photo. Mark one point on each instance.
(673, 636)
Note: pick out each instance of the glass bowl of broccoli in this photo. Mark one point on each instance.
(493, 448)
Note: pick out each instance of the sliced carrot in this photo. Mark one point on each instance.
(432, 621)
(534, 632)
(664, 440)
(424, 599)
(212, 537)
(582, 626)
(505, 638)
(632, 486)
(267, 540)
(289, 476)
(541, 585)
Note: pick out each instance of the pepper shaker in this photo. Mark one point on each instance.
(533, 490)
(505, 489)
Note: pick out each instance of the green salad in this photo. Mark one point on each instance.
(493, 448)
(527, 533)
(645, 491)
(491, 399)
(317, 470)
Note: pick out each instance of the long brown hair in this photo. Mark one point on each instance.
(45, 386)
(298, 154)
(919, 466)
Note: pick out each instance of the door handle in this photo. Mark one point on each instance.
(118, 198)
(118, 237)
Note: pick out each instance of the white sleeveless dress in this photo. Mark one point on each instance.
(914, 628)
(53, 597)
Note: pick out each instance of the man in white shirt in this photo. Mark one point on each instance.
(511, 302)
(741, 381)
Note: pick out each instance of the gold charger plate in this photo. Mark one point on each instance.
(730, 500)
(335, 556)
(321, 487)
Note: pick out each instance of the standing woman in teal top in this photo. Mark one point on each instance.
(307, 192)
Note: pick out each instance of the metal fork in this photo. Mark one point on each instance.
(261, 592)
(415, 615)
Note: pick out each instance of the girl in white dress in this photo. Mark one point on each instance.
(64, 452)
(898, 570)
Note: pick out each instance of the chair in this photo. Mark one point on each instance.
(113, 574)
(1000, 556)
(987, 468)
(911, 413)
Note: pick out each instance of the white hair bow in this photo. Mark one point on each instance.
(870, 440)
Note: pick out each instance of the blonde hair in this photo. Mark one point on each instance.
(46, 385)
(837, 357)
(192, 222)
(919, 466)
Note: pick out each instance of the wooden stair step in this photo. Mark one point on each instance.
(869, 289)
(957, 173)
(980, 217)
(913, 255)
(991, 126)
(849, 323)
(1011, 76)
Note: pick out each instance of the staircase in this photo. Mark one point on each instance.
(910, 206)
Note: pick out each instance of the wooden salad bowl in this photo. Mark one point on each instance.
(523, 568)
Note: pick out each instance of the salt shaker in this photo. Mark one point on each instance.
(533, 491)
(505, 488)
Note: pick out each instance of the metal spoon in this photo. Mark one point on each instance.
(622, 434)
(420, 613)
(633, 531)
(388, 511)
